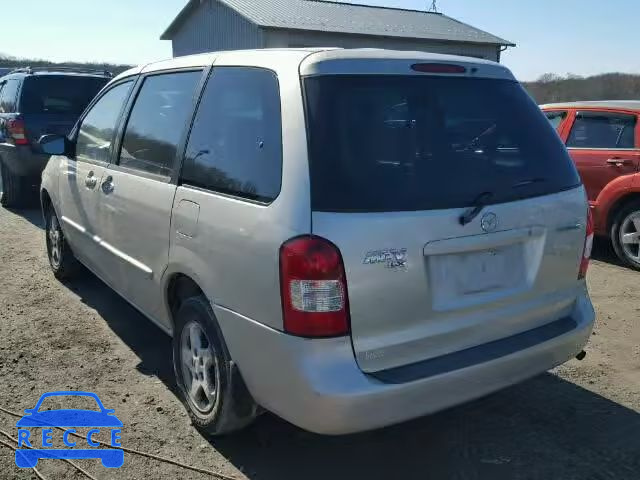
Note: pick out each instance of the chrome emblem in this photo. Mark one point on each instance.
(392, 257)
(489, 222)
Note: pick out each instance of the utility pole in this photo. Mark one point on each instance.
(434, 7)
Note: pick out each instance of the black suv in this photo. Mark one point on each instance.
(35, 102)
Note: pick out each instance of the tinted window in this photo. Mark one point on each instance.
(235, 145)
(59, 93)
(555, 118)
(393, 143)
(95, 135)
(9, 95)
(158, 119)
(603, 130)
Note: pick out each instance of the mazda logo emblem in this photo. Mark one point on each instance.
(489, 222)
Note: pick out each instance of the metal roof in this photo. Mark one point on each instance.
(621, 104)
(329, 16)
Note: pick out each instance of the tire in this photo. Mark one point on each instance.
(11, 188)
(625, 235)
(219, 403)
(61, 259)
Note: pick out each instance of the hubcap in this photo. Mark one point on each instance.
(54, 239)
(630, 236)
(199, 367)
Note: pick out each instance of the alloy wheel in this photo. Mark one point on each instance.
(630, 237)
(54, 240)
(199, 368)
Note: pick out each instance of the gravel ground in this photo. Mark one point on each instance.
(580, 421)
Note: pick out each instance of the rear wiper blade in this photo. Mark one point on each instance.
(526, 183)
(478, 204)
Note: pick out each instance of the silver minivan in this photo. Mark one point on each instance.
(346, 238)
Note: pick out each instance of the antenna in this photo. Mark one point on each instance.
(434, 7)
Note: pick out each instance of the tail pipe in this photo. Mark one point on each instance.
(581, 355)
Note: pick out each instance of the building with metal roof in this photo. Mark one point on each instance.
(214, 25)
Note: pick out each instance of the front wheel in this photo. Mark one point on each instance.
(625, 235)
(210, 384)
(63, 263)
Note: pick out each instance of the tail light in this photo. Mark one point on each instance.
(438, 68)
(17, 132)
(313, 288)
(588, 246)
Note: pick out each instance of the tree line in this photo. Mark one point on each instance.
(10, 62)
(550, 88)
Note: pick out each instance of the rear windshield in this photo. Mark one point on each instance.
(59, 94)
(400, 143)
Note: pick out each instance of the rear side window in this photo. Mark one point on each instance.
(235, 145)
(603, 130)
(8, 96)
(394, 143)
(97, 129)
(157, 121)
(59, 93)
(555, 118)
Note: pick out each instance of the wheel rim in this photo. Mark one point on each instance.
(54, 240)
(199, 368)
(630, 237)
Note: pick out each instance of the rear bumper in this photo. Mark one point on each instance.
(317, 385)
(22, 161)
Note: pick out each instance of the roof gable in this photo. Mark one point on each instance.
(328, 16)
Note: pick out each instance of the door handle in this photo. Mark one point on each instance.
(107, 185)
(91, 181)
(618, 162)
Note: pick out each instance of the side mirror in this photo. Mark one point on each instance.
(53, 144)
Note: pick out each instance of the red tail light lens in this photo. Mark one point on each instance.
(313, 288)
(17, 132)
(588, 246)
(438, 68)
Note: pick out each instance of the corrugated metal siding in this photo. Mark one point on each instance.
(293, 38)
(214, 27)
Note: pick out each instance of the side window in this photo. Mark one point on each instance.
(157, 122)
(555, 118)
(235, 145)
(9, 96)
(603, 130)
(95, 135)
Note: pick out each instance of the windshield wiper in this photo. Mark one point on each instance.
(478, 205)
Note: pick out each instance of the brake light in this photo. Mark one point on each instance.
(438, 68)
(313, 288)
(16, 130)
(588, 246)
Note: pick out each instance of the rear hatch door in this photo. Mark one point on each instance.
(458, 212)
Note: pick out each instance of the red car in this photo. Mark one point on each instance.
(603, 139)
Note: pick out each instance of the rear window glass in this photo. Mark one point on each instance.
(59, 94)
(400, 143)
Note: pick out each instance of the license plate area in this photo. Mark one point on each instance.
(463, 279)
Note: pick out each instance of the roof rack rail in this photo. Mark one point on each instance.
(53, 68)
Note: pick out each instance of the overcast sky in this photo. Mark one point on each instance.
(578, 36)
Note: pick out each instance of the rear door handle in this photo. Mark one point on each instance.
(107, 185)
(619, 162)
(91, 181)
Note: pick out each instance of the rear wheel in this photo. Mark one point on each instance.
(63, 263)
(11, 188)
(211, 386)
(625, 235)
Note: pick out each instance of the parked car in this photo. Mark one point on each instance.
(346, 238)
(603, 139)
(35, 102)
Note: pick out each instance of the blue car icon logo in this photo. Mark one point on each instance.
(68, 418)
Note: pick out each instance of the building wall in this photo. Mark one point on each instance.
(214, 27)
(302, 38)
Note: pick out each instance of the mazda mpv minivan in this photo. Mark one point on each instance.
(346, 238)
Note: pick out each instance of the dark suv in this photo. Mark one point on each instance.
(35, 102)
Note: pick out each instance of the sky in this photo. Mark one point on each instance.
(583, 37)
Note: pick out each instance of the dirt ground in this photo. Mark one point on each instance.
(581, 421)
